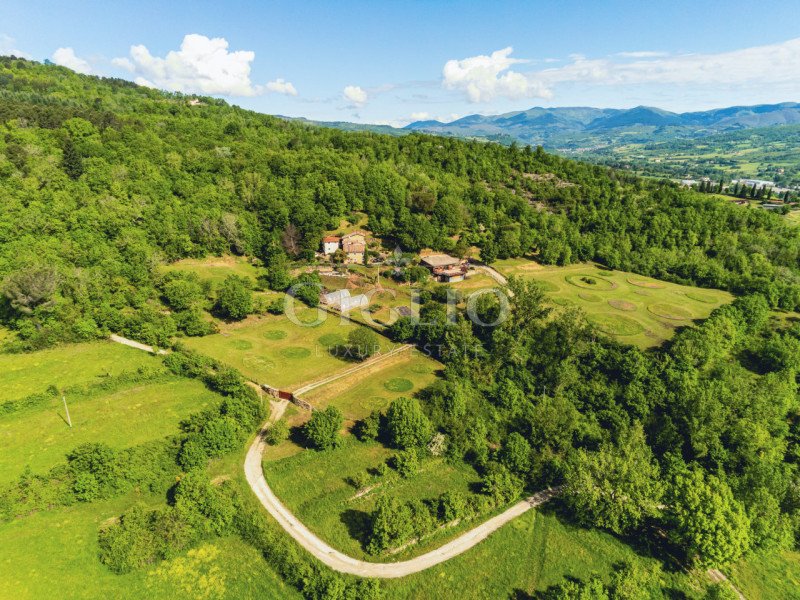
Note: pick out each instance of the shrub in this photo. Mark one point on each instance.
(245, 407)
(278, 432)
(403, 329)
(207, 508)
(99, 461)
(390, 524)
(363, 343)
(192, 323)
(406, 424)
(406, 463)
(452, 506)
(193, 454)
(277, 306)
(234, 298)
(220, 436)
(501, 485)
(85, 487)
(226, 381)
(322, 430)
(183, 292)
(129, 544)
(368, 428)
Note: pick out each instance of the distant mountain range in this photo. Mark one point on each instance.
(575, 128)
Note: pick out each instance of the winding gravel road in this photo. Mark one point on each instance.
(346, 564)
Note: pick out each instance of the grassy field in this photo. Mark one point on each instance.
(122, 418)
(53, 554)
(215, 269)
(77, 364)
(774, 576)
(528, 555)
(276, 351)
(633, 308)
(360, 393)
(315, 486)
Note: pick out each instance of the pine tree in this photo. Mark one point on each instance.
(71, 162)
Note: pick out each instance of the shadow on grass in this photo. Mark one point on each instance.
(358, 525)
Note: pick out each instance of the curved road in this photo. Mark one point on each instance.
(346, 564)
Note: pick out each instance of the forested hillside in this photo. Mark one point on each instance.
(102, 180)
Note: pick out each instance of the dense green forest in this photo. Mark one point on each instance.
(102, 180)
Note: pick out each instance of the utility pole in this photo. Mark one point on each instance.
(66, 410)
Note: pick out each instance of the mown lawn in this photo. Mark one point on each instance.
(276, 351)
(134, 414)
(374, 388)
(76, 364)
(635, 309)
(315, 486)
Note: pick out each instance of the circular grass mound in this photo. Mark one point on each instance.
(622, 305)
(258, 362)
(615, 324)
(295, 352)
(331, 340)
(589, 297)
(670, 311)
(398, 385)
(590, 282)
(703, 297)
(241, 344)
(275, 334)
(653, 285)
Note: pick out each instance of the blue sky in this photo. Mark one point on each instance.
(400, 61)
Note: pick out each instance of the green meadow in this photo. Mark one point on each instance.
(124, 417)
(65, 366)
(635, 309)
(276, 351)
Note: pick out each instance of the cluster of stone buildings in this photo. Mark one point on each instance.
(353, 245)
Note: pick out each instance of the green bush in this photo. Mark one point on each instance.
(99, 461)
(277, 432)
(130, 544)
(234, 298)
(322, 429)
(406, 463)
(406, 424)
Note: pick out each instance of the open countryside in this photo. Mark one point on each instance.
(379, 306)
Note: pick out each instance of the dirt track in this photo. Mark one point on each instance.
(346, 564)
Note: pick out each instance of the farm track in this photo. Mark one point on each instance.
(360, 367)
(339, 561)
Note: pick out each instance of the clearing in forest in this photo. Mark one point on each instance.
(633, 308)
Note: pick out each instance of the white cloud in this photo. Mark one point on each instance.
(201, 65)
(641, 54)
(483, 78)
(420, 116)
(773, 67)
(775, 64)
(66, 57)
(8, 47)
(280, 86)
(355, 95)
